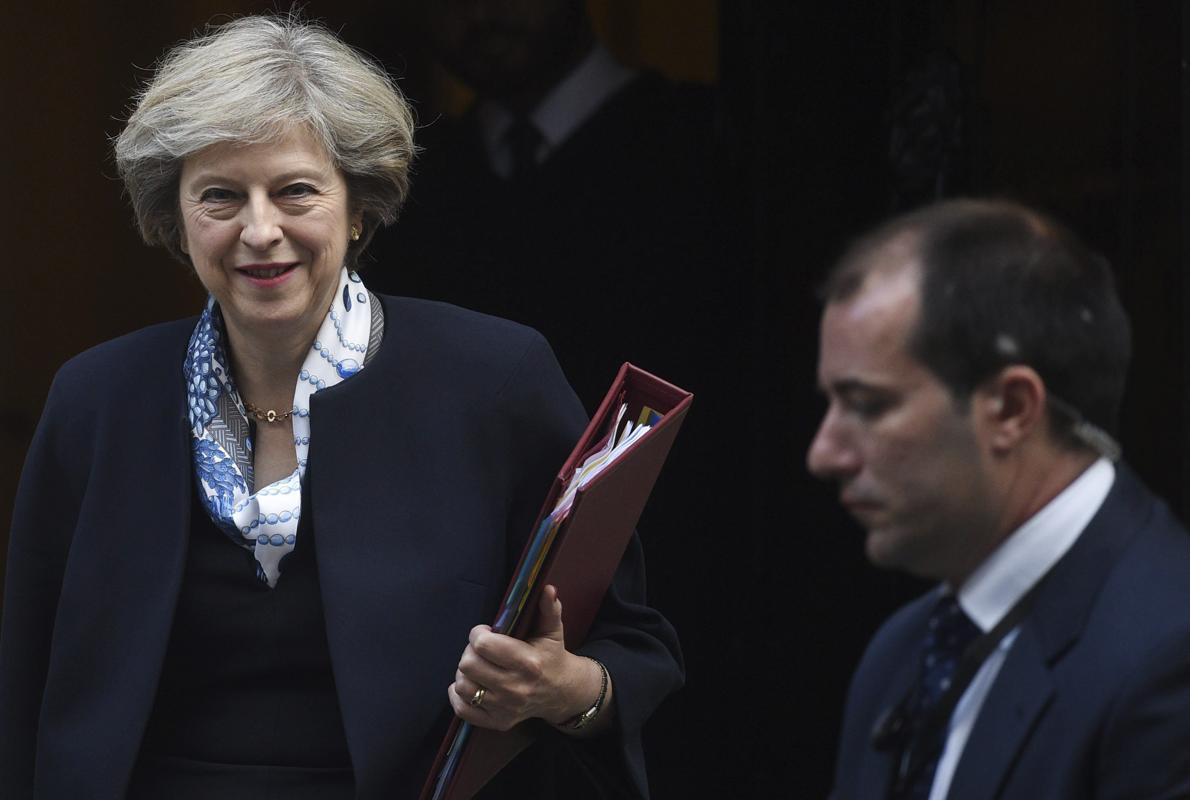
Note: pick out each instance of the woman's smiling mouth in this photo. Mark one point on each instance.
(266, 274)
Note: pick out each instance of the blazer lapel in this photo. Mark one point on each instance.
(1025, 687)
(375, 592)
(390, 571)
(1022, 691)
(120, 588)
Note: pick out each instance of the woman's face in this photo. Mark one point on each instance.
(267, 227)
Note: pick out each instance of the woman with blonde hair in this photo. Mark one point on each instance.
(251, 549)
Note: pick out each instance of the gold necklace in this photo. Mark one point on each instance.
(267, 416)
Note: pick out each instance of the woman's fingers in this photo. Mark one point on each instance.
(501, 681)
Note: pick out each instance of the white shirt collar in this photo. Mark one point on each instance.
(1029, 552)
(561, 112)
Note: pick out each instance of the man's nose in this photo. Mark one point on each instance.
(831, 453)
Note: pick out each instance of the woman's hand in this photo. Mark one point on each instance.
(523, 679)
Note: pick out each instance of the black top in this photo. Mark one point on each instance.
(246, 688)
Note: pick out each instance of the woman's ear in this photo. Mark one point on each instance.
(1010, 407)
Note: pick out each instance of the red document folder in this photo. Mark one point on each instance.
(584, 553)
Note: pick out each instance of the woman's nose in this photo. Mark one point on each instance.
(262, 228)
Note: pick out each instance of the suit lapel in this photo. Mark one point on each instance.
(168, 486)
(385, 567)
(1025, 686)
(121, 585)
(1022, 691)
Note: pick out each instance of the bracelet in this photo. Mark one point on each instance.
(584, 719)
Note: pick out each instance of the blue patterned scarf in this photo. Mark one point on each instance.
(265, 519)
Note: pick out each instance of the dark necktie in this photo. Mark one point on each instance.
(523, 140)
(949, 633)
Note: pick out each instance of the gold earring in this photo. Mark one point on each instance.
(355, 232)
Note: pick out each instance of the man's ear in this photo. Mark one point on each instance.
(1010, 407)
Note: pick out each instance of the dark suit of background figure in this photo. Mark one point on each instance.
(1058, 721)
(617, 247)
(607, 247)
(418, 522)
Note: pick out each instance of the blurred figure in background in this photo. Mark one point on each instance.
(587, 199)
(576, 195)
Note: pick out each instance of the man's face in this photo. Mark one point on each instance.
(907, 457)
(504, 47)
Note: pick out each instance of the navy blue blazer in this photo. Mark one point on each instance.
(465, 419)
(1093, 699)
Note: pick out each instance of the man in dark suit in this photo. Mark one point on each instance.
(973, 354)
(587, 199)
(577, 195)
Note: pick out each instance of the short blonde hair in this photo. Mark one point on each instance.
(250, 81)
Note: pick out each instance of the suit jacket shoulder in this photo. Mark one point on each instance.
(121, 366)
(447, 343)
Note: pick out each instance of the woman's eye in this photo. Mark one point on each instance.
(298, 190)
(216, 196)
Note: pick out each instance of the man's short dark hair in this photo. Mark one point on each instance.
(1002, 284)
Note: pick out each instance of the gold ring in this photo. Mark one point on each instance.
(477, 698)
